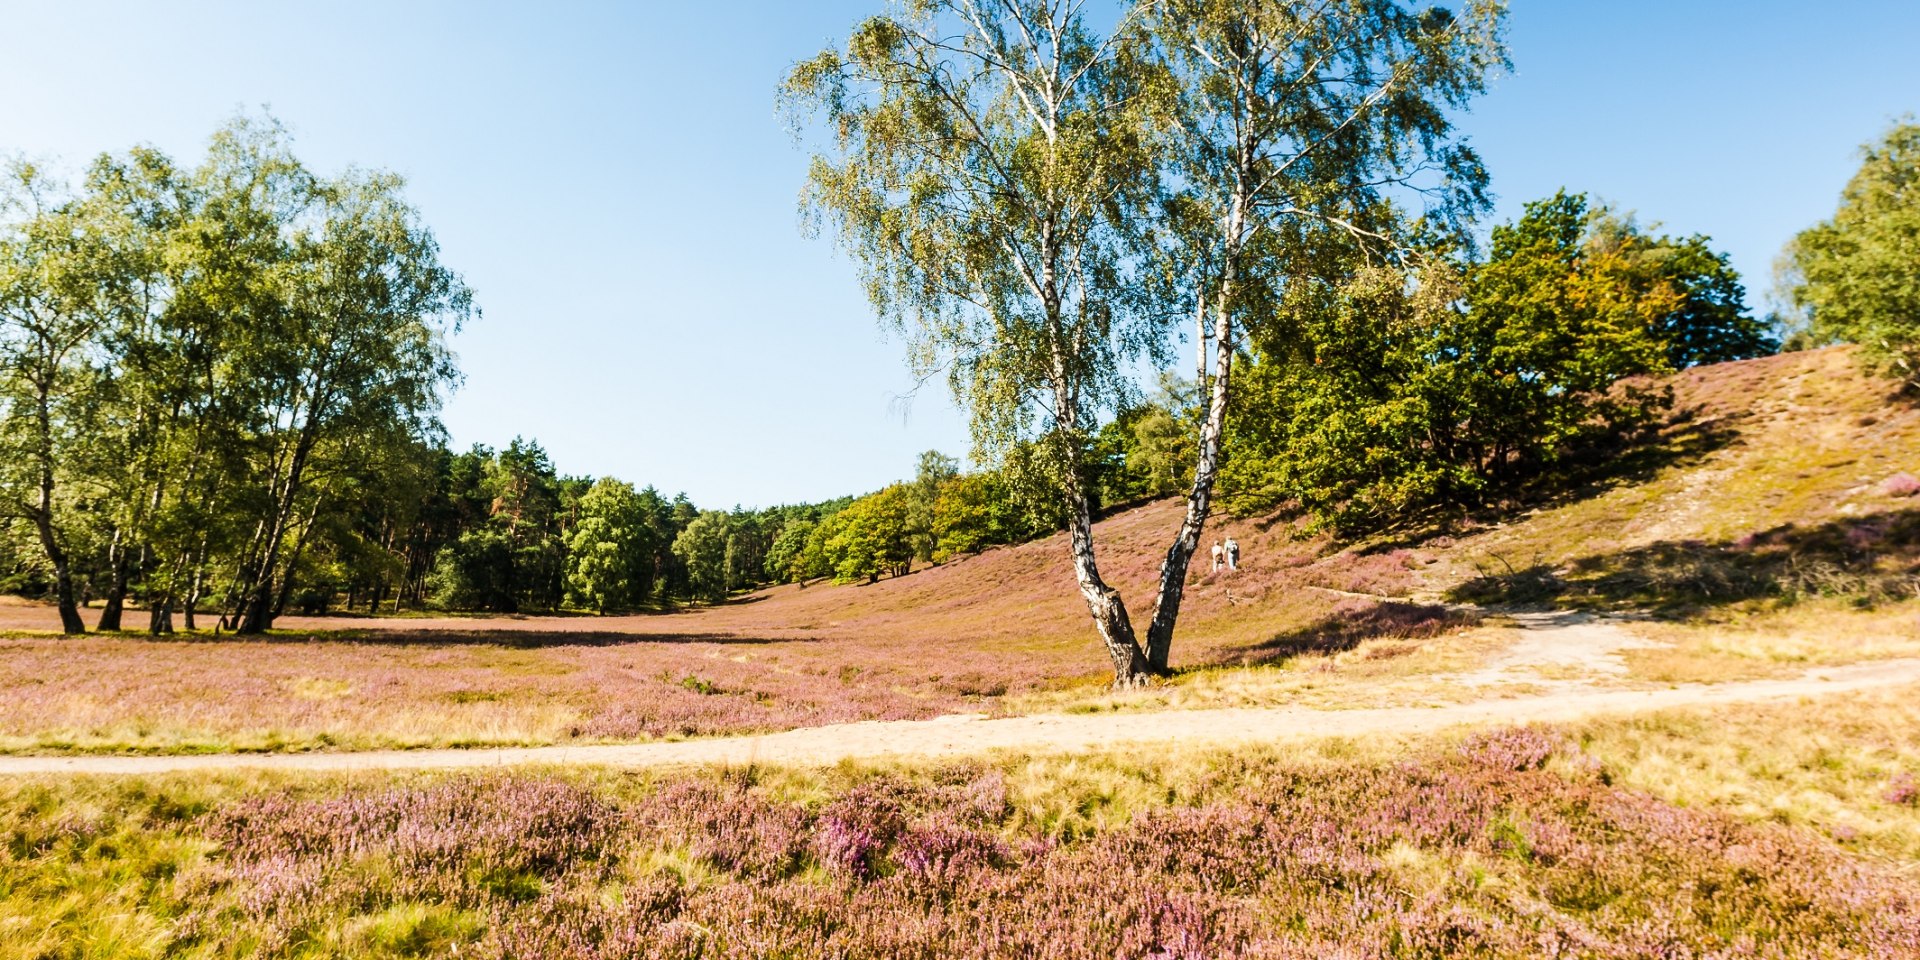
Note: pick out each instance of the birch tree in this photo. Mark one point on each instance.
(989, 161)
(1029, 199)
(344, 347)
(141, 199)
(1295, 118)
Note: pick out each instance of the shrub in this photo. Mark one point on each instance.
(1903, 790)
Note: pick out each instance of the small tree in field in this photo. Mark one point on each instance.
(608, 560)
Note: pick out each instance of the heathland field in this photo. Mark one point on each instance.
(1719, 632)
(1767, 533)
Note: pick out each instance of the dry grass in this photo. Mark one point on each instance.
(1791, 449)
(1774, 642)
(1834, 765)
(1413, 666)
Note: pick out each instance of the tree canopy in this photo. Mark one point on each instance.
(1397, 391)
(1856, 277)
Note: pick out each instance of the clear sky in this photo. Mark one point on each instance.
(614, 183)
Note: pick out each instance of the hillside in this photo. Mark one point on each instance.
(1796, 452)
(1771, 486)
(1787, 476)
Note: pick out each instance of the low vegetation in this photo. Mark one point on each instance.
(1762, 527)
(1772, 643)
(1844, 769)
(1678, 834)
(792, 657)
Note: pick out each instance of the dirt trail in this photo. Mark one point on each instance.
(971, 735)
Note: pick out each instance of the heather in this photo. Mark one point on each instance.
(1847, 770)
(1011, 635)
(1510, 843)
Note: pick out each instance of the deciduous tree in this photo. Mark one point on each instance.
(1856, 278)
(988, 163)
(1295, 119)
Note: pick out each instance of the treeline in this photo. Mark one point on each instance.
(220, 388)
(943, 513)
(503, 531)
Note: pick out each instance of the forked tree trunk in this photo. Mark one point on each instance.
(1130, 666)
(160, 616)
(1110, 619)
(257, 602)
(160, 607)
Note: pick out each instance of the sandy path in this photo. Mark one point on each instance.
(970, 735)
(1583, 644)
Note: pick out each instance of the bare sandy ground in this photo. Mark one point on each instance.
(1583, 644)
(973, 735)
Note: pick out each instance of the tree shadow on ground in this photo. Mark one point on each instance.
(1870, 559)
(1599, 465)
(515, 639)
(1351, 623)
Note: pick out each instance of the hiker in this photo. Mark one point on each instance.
(1233, 554)
(1217, 554)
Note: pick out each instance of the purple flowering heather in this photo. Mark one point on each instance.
(1479, 851)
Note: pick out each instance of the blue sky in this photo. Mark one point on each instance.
(614, 183)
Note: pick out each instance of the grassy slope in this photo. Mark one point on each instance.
(1794, 446)
(1802, 441)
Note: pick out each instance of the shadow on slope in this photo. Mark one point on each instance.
(1870, 559)
(437, 636)
(1687, 438)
